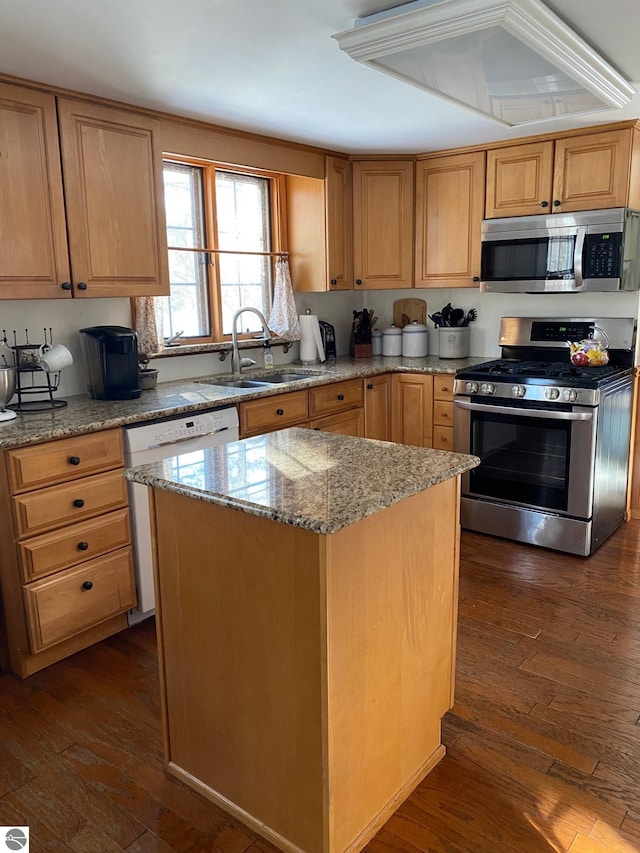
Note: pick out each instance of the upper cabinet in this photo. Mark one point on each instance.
(581, 172)
(104, 233)
(319, 228)
(383, 217)
(449, 212)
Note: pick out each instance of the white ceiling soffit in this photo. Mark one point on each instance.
(515, 61)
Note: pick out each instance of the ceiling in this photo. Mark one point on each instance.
(273, 68)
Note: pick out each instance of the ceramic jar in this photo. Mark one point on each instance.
(454, 342)
(392, 341)
(376, 342)
(414, 340)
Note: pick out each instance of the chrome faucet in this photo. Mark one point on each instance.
(238, 363)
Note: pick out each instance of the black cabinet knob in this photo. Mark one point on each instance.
(74, 460)
(334, 281)
(476, 278)
(66, 285)
(87, 585)
(358, 281)
(370, 386)
(82, 285)
(317, 429)
(279, 411)
(544, 204)
(82, 546)
(340, 396)
(79, 503)
(557, 203)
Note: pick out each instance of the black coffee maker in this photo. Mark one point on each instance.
(111, 357)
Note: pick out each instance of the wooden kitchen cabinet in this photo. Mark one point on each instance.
(351, 422)
(449, 213)
(104, 234)
(271, 413)
(383, 223)
(336, 397)
(578, 172)
(443, 411)
(67, 581)
(320, 228)
(377, 407)
(412, 409)
(34, 262)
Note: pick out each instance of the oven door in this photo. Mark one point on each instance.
(537, 458)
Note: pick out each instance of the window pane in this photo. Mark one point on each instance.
(187, 309)
(243, 222)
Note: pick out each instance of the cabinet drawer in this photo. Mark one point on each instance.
(442, 438)
(273, 412)
(67, 459)
(71, 601)
(56, 506)
(335, 397)
(443, 386)
(344, 423)
(51, 552)
(442, 413)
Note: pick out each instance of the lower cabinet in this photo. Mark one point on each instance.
(412, 409)
(377, 407)
(443, 411)
(67, 582)
(351, 422)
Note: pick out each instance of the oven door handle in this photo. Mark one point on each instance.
(527, 413)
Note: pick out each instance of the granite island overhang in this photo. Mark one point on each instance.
(306, 589)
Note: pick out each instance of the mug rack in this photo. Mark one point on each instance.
(31, 379)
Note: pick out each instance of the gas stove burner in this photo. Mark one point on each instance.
(507, 369)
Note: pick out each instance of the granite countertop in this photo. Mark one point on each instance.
(315, 480)
(83, 415)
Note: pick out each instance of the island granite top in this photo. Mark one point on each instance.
(318, 481)
(169, 399)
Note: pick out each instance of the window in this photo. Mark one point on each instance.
(221, 248)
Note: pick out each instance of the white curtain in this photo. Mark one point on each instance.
(149, 324)
(283, 319)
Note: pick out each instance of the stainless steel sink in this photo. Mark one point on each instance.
(277, 378)
(262, 381)
(239, 383)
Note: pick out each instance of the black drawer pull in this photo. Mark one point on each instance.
(74, 460)
(340, 396)
(334, 281)
(82, 546)
(82, 285)
(317, 429)
(87, 585)
(369, 386)
(79, 503)
(556, 203)
(66, 285)
(279, 411)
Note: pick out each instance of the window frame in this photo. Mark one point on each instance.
(277, 228)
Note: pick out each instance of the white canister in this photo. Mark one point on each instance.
(414, 340)
(454, 342)
(376, 342)
(392, 341)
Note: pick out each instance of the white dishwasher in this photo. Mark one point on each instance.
(181, 436)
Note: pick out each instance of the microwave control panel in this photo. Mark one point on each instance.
(602, 254)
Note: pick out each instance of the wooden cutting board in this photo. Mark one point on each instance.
(407, 310)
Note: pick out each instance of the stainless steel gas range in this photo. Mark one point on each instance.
(553, 438)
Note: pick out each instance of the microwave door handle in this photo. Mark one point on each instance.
(578, 253)
(524, 413)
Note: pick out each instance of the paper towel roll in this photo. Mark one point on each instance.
(311, 348)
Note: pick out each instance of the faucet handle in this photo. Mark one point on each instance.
(246, 362)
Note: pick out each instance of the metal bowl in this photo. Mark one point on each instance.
(7, 385)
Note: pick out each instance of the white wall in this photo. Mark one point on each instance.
(66, 316)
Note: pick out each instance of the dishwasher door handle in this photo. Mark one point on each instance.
(188, 438)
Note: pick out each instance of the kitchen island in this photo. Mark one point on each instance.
(307, 597)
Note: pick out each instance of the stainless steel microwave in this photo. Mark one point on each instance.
(593, 250)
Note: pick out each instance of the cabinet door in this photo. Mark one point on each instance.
(34, 261)
(519, 179)
(339, 223)
(383, 215)
(412, 420)
(377, 407)
(343, 423)
(112, 166)
(592, 171)
(449, 209)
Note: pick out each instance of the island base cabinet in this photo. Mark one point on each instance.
(304, 676)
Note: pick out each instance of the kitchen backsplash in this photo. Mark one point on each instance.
(65, 317)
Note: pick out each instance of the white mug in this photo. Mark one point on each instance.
(54, 357)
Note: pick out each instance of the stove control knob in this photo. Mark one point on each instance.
(571, 395)
(487, 388)
(551, 393)
(518, 391)
(471, 387)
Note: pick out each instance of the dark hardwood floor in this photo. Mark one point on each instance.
(543, 744)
